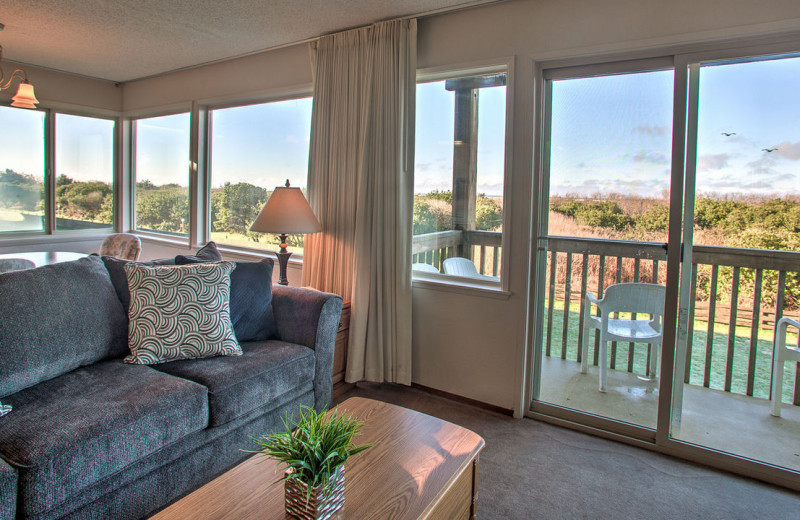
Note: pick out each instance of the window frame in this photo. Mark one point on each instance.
(459, 284)
(49, 233)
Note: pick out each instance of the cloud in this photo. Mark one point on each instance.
(715, 161)
(650, 157)
(491, 190)
(292, 139)
(788, 150)
(650, 187)
(652, 130)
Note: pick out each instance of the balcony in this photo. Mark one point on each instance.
(736, 297)
(482, 247)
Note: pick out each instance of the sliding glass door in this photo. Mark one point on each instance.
(683, 181)
(607, 200)
(742, 271)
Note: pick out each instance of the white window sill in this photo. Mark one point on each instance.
(459, 285)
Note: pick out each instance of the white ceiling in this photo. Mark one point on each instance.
(122, 40)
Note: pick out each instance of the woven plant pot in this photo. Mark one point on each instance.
(325, 499)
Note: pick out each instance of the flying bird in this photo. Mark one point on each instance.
(728, 134)
(768, 150)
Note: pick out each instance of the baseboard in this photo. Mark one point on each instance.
(465, 400)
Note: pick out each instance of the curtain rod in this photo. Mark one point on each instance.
(426, 14)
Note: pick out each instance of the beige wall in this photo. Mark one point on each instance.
(465, 342)
(235, 79)
(59, 89)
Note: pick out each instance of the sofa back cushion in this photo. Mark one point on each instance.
(55, 319)
(116, 270)
(251, 298)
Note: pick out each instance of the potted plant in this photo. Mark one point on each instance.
(314, 453)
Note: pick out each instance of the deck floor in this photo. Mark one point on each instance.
(712, 418)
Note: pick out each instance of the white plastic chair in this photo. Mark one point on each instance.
(639, 298)
(424, 268)
(782, 353)
(460, 267)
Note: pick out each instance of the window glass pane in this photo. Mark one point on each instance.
(610, 149)
(21, 169)
(610, 152)
(162, 174)
(84, 172)
(458, 179)
(254, 149)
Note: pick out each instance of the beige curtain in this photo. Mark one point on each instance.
(360, 185)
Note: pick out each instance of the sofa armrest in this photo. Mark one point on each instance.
(310, 318)
(8, 491)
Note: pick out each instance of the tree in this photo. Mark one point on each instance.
(63, 180)
(82, 200)
(21, 191)
(605, 214)
(488, 214)
(163, 209)
(236, 206)
(655, 218)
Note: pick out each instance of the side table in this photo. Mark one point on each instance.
(340, 353)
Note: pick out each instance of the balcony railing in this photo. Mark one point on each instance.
(482, 247)
(737, 296)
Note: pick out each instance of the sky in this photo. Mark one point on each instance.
(614, 133)
(609, 134)
(433, 165)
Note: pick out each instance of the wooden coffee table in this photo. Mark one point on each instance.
(421, 467)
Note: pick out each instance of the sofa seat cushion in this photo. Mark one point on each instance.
(236, 386)
(67, 433)
(8, 491)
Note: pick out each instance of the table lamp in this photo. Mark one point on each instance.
(286, 212)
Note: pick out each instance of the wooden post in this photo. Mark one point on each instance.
(465, 151)
(465, 163)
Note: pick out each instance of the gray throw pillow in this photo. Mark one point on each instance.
(180, 312)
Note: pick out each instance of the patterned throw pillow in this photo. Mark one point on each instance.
(180, 312)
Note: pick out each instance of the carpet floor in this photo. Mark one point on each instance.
(531, 469)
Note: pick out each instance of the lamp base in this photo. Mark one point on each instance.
(283, 260)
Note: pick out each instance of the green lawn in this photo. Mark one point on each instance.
(236, 239)
(763, 365)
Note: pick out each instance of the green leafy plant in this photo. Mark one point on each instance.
(315, 448)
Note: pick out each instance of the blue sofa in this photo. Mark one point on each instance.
(92, 437)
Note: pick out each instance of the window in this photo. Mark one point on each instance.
(83, 154)
(255, 148)
(22, 167)
(84, 172)
(459, 173)
(162, 174)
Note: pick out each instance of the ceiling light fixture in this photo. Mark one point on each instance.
(25, 97)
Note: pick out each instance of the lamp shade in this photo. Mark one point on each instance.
(286, 211)
(25, 97)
